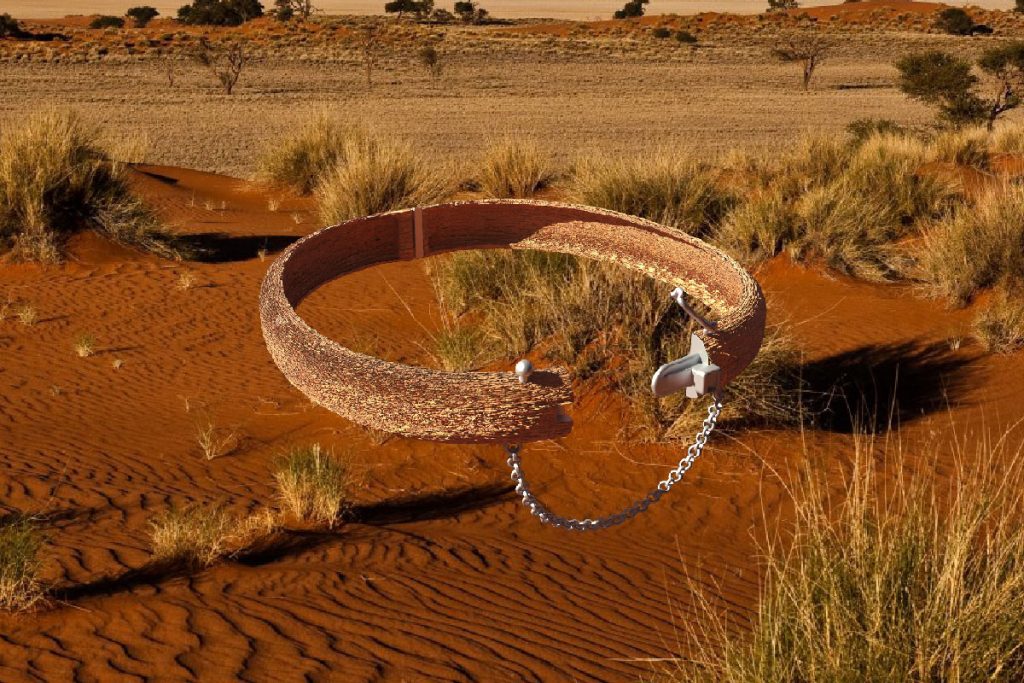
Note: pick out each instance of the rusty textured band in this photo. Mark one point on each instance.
(486, 407)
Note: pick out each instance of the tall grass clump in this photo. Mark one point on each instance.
(897, 580)
(313, 485)
(195, 535)
(1008, 139)
(20, 546)
(56, 178)
(374, 175)
(1000, 327)
(672, 189)
(975, 247)
(302, 159)
(963, 146)
(515, 169)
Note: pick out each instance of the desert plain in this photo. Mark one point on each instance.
(435, 572)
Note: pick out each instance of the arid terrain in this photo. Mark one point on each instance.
(437, 573)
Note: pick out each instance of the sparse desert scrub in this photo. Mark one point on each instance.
(899, 578)
(85, 345)
(965, 146)
(56, 179)
(375, 175)
(20, 585)
(515, 169)
(1008, 139)
(313, 485)
(27, 314)
(1000, 326)
(977, 246)
(196, 535)
(212, 439)
(303, 158)
(758, 228)
(674, 189)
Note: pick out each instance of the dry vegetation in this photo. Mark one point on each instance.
(20, 547)
(200, 535)
(313, 485)
(901, 580)
(57, 178)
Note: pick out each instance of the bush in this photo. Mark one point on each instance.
(513, 169)
(902, 581)
(9, 27)
(303, 158)
(686, 37)
(220, 12)
(57, 179)
(954, 21)
(862, 129)
(675, 190)
(1000, 326)
(430, 58)
(975, 247)
(964, 147)
(20, 587)
(661, 32)
(944, 80)
(633, 8)
(195, 535)
(142, 15)
(374, 175)
(106, 22)
(313, 485)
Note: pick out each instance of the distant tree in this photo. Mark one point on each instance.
(286, 10)
(1018, 5)
(806, 49)
(9, 27)
(430, 58)
(782, 5)
(943, 80)
(220, 12)
(955, 21)
(1005, 65)
(104, 21)
(470, 13)
(420, 8)
(443, 16)
(225, 63)
(142, 15)
(370, 41)
(632, 8)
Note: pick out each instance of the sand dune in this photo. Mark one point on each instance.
(440, 574)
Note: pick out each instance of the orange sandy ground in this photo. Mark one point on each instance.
(440, 574)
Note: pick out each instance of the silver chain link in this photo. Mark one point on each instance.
(675, 475)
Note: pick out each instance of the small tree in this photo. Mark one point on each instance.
(220, 12)
(9, 27)
(225, 63)
(420, 8)
(632, 8)
(944, 80)
(443, 16)
(470, 13)
(955, 21)
(142, 15)
(430, 58)
(1005, 65)
(808, 50)
(782, 5)
(286, 10)
(370, 40)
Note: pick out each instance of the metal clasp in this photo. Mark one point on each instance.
(694, 372)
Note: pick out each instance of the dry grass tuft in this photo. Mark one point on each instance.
(85, 345)
(213, 440)
(375, 175)
(313, 485)
(515, 169)
(888, 581)
(964, 147)
(20, 587)
(194, 535)
(1000, 327)
(56, 179)
(975, 247)
(671, 189)
(300, 161)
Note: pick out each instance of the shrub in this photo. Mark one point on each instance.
(944, 80)
(430, 58)
(313, 485)
(106, 22)
(142, 15)
(516, 169)
(9, 27)
(1018, 5)
(965, 147)
(903, 581)
(195, 535)
(56, 179)
(220, 12)
(676, 190)
(632, 8)
(20, 545)
(862, 129)
(375, 175)
(975, 247)
(661, 32)
(304, 157)
(686, 37)
(759, 228)
(954, 21)
(1000, 326)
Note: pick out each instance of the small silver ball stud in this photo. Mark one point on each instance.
(524, 369)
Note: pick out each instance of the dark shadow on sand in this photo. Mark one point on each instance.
(217, 247)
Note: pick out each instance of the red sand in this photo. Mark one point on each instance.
(458, 582)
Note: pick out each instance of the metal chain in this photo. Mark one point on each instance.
(675, 475)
